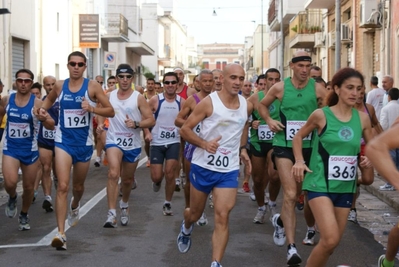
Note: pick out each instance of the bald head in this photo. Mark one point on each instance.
(387, 82)
(301, 54)
(48, 83)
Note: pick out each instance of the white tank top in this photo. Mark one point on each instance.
(118, 134)
(165, 132)
(229, 124)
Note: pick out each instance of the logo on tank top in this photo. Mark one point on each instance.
(345, 133)
(25, 116)
(68, 97)
(272, 108)
(79, 98)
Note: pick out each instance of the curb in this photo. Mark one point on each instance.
(391, 198)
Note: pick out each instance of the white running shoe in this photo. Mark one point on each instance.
(203, 220)
(59, 242)
(156, 186)
(352, 216)
(309, 238)
(167, 209)
(210, 201)
(279, 232)
(293, 258)
(124, 216)
(73, 215)
(252, 196)
(111, 221)
(260, 216)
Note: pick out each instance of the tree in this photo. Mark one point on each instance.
(147, 73)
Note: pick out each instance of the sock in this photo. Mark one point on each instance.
(48, 198)
(98, 159)
(387, 263)
(311, 228)
(292, 245)
(262, 208)
(280, 222)
(166, 202)
(187, 231)
(13, 198)
(24, 214)
(353, 209)
(113, 212)
(123, 205)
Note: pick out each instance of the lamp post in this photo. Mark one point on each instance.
(261, 36)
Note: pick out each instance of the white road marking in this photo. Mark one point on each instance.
(46, 240)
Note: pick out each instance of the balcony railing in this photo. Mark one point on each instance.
(303, 28)
(115, 28)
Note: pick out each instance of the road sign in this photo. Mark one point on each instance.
(109, 60)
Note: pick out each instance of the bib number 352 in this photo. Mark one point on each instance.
(293, 128)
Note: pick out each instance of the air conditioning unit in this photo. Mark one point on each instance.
(369, 14)
(346, 33)
(331, 39)
(319, 39)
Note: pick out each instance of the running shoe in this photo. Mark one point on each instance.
(273, 211)
(156, 186)
(300, 202)
(34, 196)
(279, 232)
(183, 240)
(59, 241)
(216, 264)
(124, 216)
(260, 216)
(252, 196)
(293, 258)
(134, 185)
(111, 221)
(97, 163)
(352, 216)
(73, 215)
(177, 187)
(203, 220)
(387, 187)
(381, 261)
(210, 201)
(11, 208)
(24, 222)
(47, 206)
(245, 187)
(309, 238)
(167, 209)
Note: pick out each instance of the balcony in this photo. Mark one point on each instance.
(290, 9)
(164, 58)
(319, 4)
(303, 28)
(140, 48)
(115, 28)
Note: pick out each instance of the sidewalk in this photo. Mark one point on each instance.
(391, 198)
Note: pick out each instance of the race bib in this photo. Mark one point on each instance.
(48, 134)
(124, 139)
(264, 133)
(293, 127)
(221, 159)
(18, 130)
(167, 133)
(76, 118)
(342, 168)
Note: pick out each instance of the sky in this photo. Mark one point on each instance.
(235, 19)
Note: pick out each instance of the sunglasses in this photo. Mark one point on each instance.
(22, 80)
(169, 82)
(125, 76)
(73, 64)
(100, 82)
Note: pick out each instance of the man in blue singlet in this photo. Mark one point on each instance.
(74, 137)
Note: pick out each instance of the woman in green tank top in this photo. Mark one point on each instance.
(330, 180)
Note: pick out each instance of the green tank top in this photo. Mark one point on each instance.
(263, 134)
(296, 107)
(335, 154)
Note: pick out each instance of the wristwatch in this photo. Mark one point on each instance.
(136, 124)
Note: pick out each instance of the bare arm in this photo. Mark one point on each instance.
(375, 123)
(184, 112)
(43, 117)
(147, 119)
(190, 91)
(96, 93)
(378, 153)
(52, 96)
(316, 120)
(276, 92)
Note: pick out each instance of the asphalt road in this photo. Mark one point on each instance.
(150, 238)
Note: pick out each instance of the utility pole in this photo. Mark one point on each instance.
(261, 71)
(337, 35)
(282, 40)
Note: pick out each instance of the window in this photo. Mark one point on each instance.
(205, 65)
(218, 65)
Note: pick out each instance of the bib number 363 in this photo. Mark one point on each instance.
(342, 168)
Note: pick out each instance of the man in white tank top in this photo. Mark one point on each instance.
(215, 162)
(165, 138)
(123, 141)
